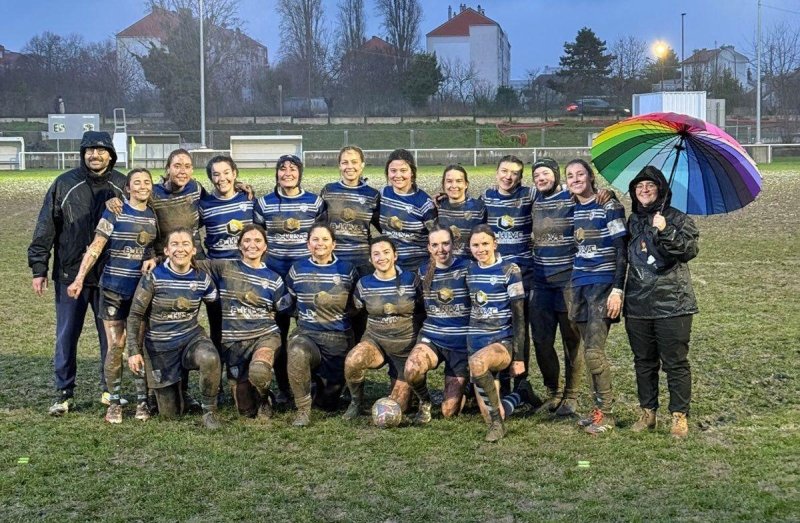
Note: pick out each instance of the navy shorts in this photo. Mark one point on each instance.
(333, 347)
(167, 365)
(237, 354)
(395, 353)
(114, 306)
(588, 302)
(456, 362)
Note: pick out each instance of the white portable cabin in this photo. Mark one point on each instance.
(264, 151)
(691, 103)
(12, 153)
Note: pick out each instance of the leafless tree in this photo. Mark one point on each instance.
(304, 44)
(352, 25)
(630, 58)
(401, 19)
(217, 13)
(459, 80)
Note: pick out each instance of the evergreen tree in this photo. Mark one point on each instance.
(422, 79)
(585, 65)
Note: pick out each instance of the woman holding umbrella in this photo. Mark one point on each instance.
(659, 299)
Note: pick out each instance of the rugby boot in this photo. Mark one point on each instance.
(680, 425)
(552, 401)
(356, 401)
(265, 409)
(303, 418)
(210, 420)
(496, 428)
(585, 422)
(142, 411)
(601, 422)
(423, 414)
(527, 395)
(114, 414)
(105, 399)
(353, 411)
(647, 420)
(63, 404)
(190, 403)
(568, 407)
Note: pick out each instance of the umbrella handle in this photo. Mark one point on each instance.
(678, 147)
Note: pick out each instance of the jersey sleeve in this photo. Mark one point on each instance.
(105, 227)
(615, 218)
(282, 300)
(429, 213)
(258, 213)
(139, 306)
(210, 293)
(514, 287)
(358, 300)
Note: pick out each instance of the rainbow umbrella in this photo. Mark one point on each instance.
(709, 172)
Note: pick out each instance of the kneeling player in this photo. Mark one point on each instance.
(170, 297)
(392, 298)
(322, 287)
(443, 337)
(497, 323)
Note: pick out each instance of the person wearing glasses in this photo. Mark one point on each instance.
(287, 214)
(72, 208)
(659, 298)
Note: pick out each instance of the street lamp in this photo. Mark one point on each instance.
(202, 83)
(660, 50)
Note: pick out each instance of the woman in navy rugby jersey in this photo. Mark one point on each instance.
(457, 210)
(497, 323)
(594, 295)
(287, 214)
(165, 307)
(407, 213)
(127, 239)
(393, 300)
(322, 288)
(443, 337)
(250, 295)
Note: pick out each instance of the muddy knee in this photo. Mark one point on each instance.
(478, 366)
(595, 361)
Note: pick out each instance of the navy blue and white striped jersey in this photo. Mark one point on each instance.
(130, 238)
(553, 241)
(460, 218)
(390, 304)
(177, 209)
(351, 210)
(596, 228)
(509, 216)
(322, 294)
(287, 220)
(173, 300)
(224, 220)
(447, 305)
(406, 219)
(250, 298)
(491, 291)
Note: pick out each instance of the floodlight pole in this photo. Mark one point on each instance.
(758, 76)
(683, 73)
(202, 82)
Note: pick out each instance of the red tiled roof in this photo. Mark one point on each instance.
(379, 45)
(151, 26)
(459, 25)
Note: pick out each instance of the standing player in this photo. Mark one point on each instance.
(392, 298)
(71, 210)
(322, 287)
(497, 323)
(407, 212)
(352, 207)
(443, 337)
(508, 210)
(553, 256)
(250, 295)
(287, 214)
(128, 239)
(595, 293)
(458, 211)
(224, 212)
(169, 297)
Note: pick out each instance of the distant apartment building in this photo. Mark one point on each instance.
(470, 38)
(8, 59)
(704, 64)
(247, 59)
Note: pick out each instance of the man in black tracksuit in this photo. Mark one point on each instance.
(71, 210)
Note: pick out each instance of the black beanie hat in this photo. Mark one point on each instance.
(550, 163)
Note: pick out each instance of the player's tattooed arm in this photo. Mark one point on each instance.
(93, 252)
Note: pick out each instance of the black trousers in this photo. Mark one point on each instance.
(662, 343)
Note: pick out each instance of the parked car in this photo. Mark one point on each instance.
(595, 107)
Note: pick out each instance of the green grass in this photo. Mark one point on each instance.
(740, 462)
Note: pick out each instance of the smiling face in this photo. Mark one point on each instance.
(646, 192)
(179, 250)
(508, 176)
(253, 246)
(223, 176)
(400, 176)
(140, 187)
(455, 186)
(383, 258)
(321, 245)
(179, 172)
(579, 181)
(289, 178)
(440, 246)
(483, 248)
(351, 166)
(544, 179)
(97, 159)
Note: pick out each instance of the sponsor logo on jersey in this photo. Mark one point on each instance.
(291, 225)
(580, 234)
(337, 280)
(389, 308)
(396, 223)
(505, 222)
(183, 304)
(304, 207)
(143, 238)
(456, 232)
(234, 227)
(348, 214)
(481, 298)
(444, 295)
(193, 285)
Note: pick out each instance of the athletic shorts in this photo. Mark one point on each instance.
(456, 362)
(333, 347)
(588, 302)
(114, 306)
(167, 365)
(395, 353)
(237, 354)
(548, 297)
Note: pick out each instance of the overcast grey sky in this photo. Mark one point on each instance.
(537, 29)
